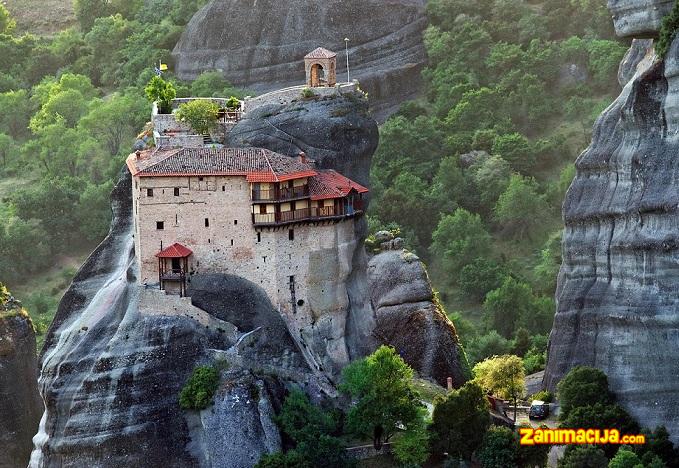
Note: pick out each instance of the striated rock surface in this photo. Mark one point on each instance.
(337, 132)
(409, 318)
(617, 291)
(636, 53)
(20, 403)
(261, 45)
(638, 18)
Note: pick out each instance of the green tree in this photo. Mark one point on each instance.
(459, 421)
(498, 449)
(583, 386)
(380, 385)
(162, 92)
(625, 458)
(94, 209)
(290, 459)
(87, 11)
(201, 115)
(521, 342)
(485, 346)
(506, 306)
(6, 148)
(521, 209)
(115, 121)
(7, 23)
(530, 456)
(479, 277)
(584, 456)
(212, 84)
(459, 239)
(16, 113)
(311, 430)
(411, 448)
(502, 375)
(491, 178)
(516, 150)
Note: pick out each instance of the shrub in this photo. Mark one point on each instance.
(200, 114)
(543, 395)
(586, 456)
(307, 93)
(583, 386)
(668, 31)
(198, 392)
(498, 448)
(162, 92)
(411, 449)
(233, 103)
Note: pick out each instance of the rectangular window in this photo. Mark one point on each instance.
(223, 188)
(259, 237)
(149, 192)
(200, 179)
(207, 222)
(291, 234)
(235, 222)
(160, 225)
(176, 191)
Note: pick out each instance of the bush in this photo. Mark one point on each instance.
(200, 114)
(162, 92)
(198, 392)
(583, 386)
(543, 395)
(587, 456)
(307, 93)
(411, 449)
(498, 448)
(668, 31)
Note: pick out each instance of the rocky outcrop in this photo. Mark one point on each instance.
(411, 320)
(638, 18)
(261, 46)
(636, 53)
(20, 403)
(337, 132)
(617, 290)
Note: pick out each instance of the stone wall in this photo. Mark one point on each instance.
(289, 95)
(319, 257)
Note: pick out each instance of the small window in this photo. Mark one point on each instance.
(149, 192)
(300, 302)
(264, 257)
(235, 222)
(291, 234)
(231, 242)
(223, 188)
(160, 225)
(259, 237)
(200, 179)
(207, 222)
(176, 191)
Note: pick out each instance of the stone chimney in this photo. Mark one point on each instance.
(450, 384)
(302, 157)
(137, 154)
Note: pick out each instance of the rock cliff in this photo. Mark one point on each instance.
(117, 355)
(617, 290)
(410, 319)
(20, 403)
(261, 45)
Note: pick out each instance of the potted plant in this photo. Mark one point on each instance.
(201, 115)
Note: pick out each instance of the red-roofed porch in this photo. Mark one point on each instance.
(173, 266)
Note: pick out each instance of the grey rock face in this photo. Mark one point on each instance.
(638, 18)
(261, 45)
(20, 404)
(636, 53)
(617, 291)
(337, 132)
(409, 319)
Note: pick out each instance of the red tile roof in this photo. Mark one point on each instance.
(332, 184)
(256, 164)
(175, 251)
(320, 53)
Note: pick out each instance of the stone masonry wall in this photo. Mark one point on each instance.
(319, 257)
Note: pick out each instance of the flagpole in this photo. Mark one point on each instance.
(346, 48)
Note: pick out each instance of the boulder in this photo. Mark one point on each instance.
(411, 320)
(261, 45)
(20, 405)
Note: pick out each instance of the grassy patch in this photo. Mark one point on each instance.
(41, 294)
(42, 17)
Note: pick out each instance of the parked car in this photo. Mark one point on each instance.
(538, 410)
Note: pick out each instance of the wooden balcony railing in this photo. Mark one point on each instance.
(280, 194)
(306, 214)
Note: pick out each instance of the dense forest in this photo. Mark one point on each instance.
(473, 174)
(72, 106)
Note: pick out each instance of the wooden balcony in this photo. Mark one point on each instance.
(307, 214)
(280, 194)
